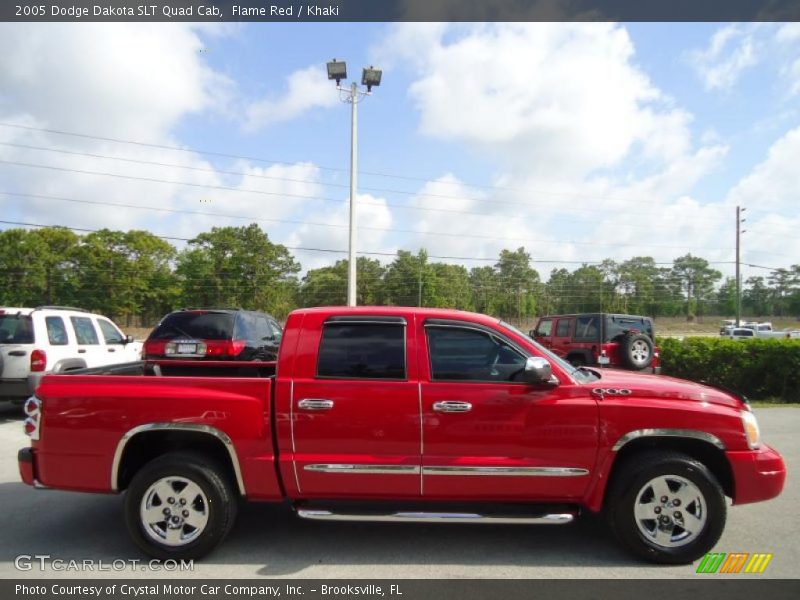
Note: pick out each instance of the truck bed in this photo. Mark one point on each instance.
(120, 402)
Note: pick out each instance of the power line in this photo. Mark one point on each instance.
(374, 173)
(377, 253)
(364, 227)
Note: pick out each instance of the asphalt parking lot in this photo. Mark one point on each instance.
(268, 541)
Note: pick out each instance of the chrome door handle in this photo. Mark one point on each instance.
(452, 406)
(315, 404)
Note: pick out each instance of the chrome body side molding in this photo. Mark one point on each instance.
(507, 471)
(187, 427)
(365, 469)
(438, 517)
(679, 433)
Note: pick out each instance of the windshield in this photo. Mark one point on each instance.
(581, 374)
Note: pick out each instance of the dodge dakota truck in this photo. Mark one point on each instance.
(401, 414)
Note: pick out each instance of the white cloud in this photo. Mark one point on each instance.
(374, 217)
(731, 51)
(547, 98)
(135, 82)
(306, 89)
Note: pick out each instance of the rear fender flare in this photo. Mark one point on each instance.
(186, 427)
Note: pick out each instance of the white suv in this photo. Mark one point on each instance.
(53, 339)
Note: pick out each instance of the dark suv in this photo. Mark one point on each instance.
(623, 341)
(215, 334)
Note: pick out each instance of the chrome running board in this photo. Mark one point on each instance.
(437, 517)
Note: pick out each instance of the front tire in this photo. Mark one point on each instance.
(180, 506)
(666, 507)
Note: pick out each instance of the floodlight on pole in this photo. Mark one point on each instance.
(337, 71)
(370, 77)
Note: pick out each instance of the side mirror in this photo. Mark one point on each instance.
(128, 339)
(538, 370)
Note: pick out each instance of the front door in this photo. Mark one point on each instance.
(355, 413)
(488, 435)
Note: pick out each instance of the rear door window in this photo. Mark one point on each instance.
(562, 330)
(362, 351)
(587, 328)
(56, 331)
(85, 332)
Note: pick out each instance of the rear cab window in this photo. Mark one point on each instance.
(362, 350)
(16, 329)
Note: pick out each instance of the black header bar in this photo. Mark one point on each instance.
(399, 10)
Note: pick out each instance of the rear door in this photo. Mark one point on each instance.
(355, 410)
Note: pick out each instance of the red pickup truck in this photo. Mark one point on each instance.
(406, 414)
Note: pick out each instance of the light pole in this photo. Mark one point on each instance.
(370, 78)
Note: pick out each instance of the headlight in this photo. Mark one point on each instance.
(751, 431)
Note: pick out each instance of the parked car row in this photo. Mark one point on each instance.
(56, 339)
(750, 330)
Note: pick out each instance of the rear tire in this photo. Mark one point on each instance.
(666, 507)
(636, 351)
(195, 499)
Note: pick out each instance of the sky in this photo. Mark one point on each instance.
(578, 142)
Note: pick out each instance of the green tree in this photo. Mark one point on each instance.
(60, 269)
(23, 273)
(520, 285)
(327, 286)
(726, 297)
(238, 266)
(450, 287)
(638, 285)
(696, 279)
(408, 278)
(484, 286)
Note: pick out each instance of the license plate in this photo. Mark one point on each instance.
(603, 360)
(186, 349)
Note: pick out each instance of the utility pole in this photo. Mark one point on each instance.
(739, 232)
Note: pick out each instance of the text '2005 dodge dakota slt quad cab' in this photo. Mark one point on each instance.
(401, 414)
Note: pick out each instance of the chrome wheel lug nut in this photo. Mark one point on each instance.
(677, 515)
(183, 501)
(657, 510)
(664, 499)
(166, 511)
(170, 500)
(185, 513)
(676, 503)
